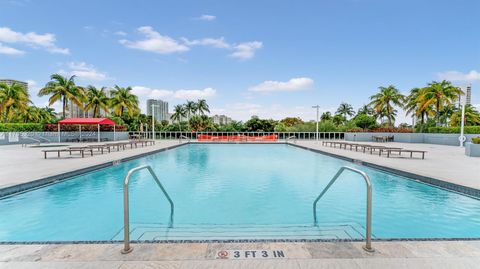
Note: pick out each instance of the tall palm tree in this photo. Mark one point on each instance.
(439, 94)
(190, 109)
(64, 89)
(202, 107)
(345, 110)
(179, 113)
(124, 101)
(384, 101)
(95, 100)
(13, 98)
(326, 116)
(472, 116)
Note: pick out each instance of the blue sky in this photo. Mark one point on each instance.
(269, 58)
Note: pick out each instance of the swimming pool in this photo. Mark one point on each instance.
(236, 191)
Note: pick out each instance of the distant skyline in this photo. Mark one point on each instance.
(267, 58)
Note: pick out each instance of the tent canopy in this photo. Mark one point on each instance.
(100, 121)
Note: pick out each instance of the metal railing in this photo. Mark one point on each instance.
(281, 135)
(368, 237)
(126, 214)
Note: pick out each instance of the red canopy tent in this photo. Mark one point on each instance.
(80, 121)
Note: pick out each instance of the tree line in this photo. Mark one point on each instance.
(429, 106)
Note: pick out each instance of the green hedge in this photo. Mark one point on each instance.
(21, 127)
(455, 130)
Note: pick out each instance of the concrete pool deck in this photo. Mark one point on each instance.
(445, 163)
(24, 164)
(402, 254)
(20, 165)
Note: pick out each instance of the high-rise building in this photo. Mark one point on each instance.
(468, 95)
(75, 111)
(221, 119)
(160, 109)
(9, 82)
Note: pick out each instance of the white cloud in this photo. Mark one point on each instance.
(32, 39)
(214, 42)
(10, 51)
(120, 33)
(178, 94)
(459, 76)
(294, 84)
(206, 17)
(195, 94)
(84, 71)
(246, 50)
(155, 42)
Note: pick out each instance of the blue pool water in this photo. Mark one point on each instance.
(236, 191)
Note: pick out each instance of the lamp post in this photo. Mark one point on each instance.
(153, 121)
(462, 137)
(316, 134)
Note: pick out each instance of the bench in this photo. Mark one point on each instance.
(81, 151)
(407, 151)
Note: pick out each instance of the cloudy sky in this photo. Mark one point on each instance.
(268, 58)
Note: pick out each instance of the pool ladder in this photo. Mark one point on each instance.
(368, 237)
(126, 229)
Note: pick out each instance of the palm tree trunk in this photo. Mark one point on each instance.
(63, 106)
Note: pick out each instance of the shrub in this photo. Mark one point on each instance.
(382, 130)
(454, 130)
(21, 127)
(476, 140)
(86, 128)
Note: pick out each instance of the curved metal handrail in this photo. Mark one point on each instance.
(33, 139)
(126, 248)
(182, 136)
(368, 237)
(292, 137)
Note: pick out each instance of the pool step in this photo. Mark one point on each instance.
(152, 231)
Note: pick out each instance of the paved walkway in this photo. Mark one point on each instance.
(447, 163)
(20, 165)
(405, 254)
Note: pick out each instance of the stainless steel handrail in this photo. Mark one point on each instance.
(368, 245)
(182, 136)
(126, 229)
(33, 139)
(292, 137)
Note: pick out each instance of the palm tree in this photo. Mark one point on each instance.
(472, 116)
(13, 96)
(190, 109)
(202, 106)
(124, 101)
(64, 89)
(384, 101)
(439, 94)
(345, 110)
(366, 110)
(179, 113)
(326, 116)
(96, 100)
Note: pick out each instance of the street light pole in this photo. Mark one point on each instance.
(317, 107)
(462, 137)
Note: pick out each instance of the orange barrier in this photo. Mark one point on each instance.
(236, 138)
